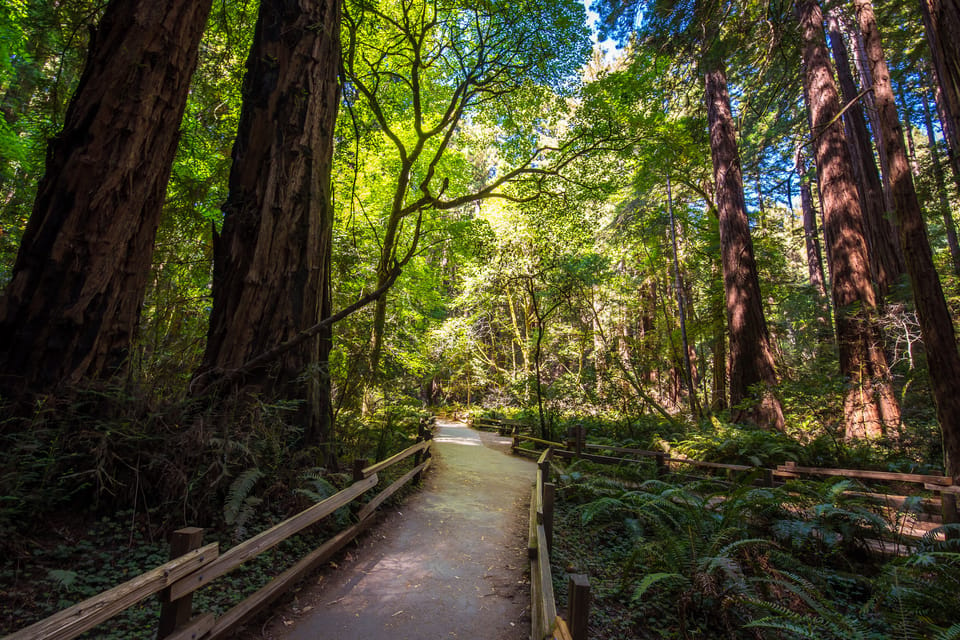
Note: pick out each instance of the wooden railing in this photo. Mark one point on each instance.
(943, 502)
(501, 425)
(544, 621)
(195, 566)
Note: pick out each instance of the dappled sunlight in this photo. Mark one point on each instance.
(470, 442)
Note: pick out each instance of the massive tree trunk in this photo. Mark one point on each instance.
(73, 303)
(886, 257)
(272, 261)
(942, 21)
(753, 375)
(936, 325)
(870, 405)
(942, 197)
(866, 80)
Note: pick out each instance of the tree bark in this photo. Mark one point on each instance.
(886, 257)
(272, 261)
(941, 182)
(810, 232)
(72, 306)
(870, 405)
(936, 325)
(753, 375)
(866, 80)
(941, 18)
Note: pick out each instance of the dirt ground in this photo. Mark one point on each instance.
(450, 562)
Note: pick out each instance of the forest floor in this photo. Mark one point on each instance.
(449, 562)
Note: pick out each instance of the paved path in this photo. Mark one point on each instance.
(447, 563)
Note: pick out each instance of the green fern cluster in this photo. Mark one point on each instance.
(748, 561)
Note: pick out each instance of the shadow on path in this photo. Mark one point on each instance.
(447, 563)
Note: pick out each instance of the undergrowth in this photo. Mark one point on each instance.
(90, 490)
(669, 558)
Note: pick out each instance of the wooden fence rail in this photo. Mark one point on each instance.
(544, 621)
(196, 566)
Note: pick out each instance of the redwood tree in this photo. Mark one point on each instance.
(886, 258)
(72, 306)
(272, 260)
(870, 404)
(751, 361)
(936, 324)
(941, 18)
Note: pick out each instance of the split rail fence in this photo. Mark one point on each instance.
(195, 565)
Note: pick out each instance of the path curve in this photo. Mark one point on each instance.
(447, 563)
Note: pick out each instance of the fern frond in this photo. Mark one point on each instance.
(238, 494)
(653, 578)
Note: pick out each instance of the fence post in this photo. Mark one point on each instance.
(768, 477)
(661, 464)
(175, 613)
(578, 605)
(948, 507)
(358, 466)
(545, 469)
(572, 438)
(581, 438)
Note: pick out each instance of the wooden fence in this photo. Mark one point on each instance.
(544, 621)
(195, 565)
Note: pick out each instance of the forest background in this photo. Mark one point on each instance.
(718, 237)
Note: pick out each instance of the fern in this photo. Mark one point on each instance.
(239, 506)
(820, 619)
(654, 578)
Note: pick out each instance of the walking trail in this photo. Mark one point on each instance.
(449, 562)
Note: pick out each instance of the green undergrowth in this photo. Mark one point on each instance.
(88, 499)
(669, 558)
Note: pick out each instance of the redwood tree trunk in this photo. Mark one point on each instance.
(883, 246)
(942, 21)
(73, 303)
(936, 325)
(752, 368)
(941, 182)
(272, 261)
(870, 404)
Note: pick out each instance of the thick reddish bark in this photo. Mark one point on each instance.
(886, 257)
(272, 261)
(753, 375)
(870, 404)
(936, 325)
(72, 306)
(942, 21)
(941, 182)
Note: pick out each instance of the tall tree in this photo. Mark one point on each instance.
(936, 325)
(886, 259)
(72, 306)
(941, 18)
(811, 234)
(940, 181)
(870, 405)
(752, 367)
(272, 261)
